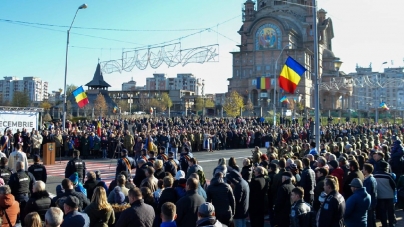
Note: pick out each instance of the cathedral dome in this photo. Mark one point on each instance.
(328, 54)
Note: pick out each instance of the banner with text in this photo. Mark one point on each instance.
(18, 120)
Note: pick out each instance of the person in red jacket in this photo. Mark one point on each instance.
(9, 205)
(336, 171)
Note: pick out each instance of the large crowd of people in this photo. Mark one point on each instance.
(355, 178)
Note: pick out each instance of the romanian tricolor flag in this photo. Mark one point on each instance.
(115, 109)
(99, 128)
(81, 97)
(151, 110)
(284, 99)
(383, 106)
(263, 82)
(290, 75)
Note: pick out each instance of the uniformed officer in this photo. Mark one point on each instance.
(5, 171)
(21, 183)
(162, 156)
(76, 165)
(38, 170)
(125, 163)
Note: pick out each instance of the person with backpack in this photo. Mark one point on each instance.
(5, 171)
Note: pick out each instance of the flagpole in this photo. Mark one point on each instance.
(316, 82)
(275, 78)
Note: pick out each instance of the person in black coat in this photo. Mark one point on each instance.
(302, 214)
(90, 184)
(241, 192)
(67, 185)
(38, 170)
(354, 173)
(333, 209)
(125, 163)
(258, 190)
(38, 202)
(308, 181)
(221, 196)
(246, 171)
(139, 214)
(140, 172)
(187, 206)
(282, 202)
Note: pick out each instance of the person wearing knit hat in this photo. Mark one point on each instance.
(119, 197)
(207, 215)
(336, 171)
(78, 187)
(357, 205)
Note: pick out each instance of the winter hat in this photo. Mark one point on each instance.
(333, 163)
(206, 209)
(119, 196)
(74, 178)
(356, 183)
(180, 174)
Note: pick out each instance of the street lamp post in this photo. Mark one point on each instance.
(275, 79)
(130, 100)
(203, 97)
(84, 6)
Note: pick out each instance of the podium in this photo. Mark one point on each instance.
(49, 151)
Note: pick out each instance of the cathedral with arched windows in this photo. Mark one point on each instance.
(268, 27)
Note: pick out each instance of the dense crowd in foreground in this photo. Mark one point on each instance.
(354, 178)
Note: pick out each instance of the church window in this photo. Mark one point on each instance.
(258, 68)
(268, 67)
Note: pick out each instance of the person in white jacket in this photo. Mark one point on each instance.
(36, 142)
(17, 155)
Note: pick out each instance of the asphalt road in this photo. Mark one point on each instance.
(208, 160)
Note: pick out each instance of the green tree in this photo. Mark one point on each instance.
(198, 104)
(166, 101)
(124, 105)
(100, 105)
(154, 103)
(20, 99)
(249, 105)
(70, 88)
(233, 103)
(47, 117)
(46, 105)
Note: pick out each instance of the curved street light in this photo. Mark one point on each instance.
(83, 6)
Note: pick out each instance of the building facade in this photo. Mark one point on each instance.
(183, 81)
(129, 86)
(268, 27)
(34, 87)
(374, 87)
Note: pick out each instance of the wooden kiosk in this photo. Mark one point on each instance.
(49, 150)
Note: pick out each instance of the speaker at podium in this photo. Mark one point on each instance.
(49, 154)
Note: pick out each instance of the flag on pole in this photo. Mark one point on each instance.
(263, 83)
(81, 97)
(291, 75)
(383, 106)
(284, 99)
(99, 128)
(151, 110)
(115, 109)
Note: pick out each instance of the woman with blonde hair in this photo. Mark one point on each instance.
(100, 211)
(33, 220)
